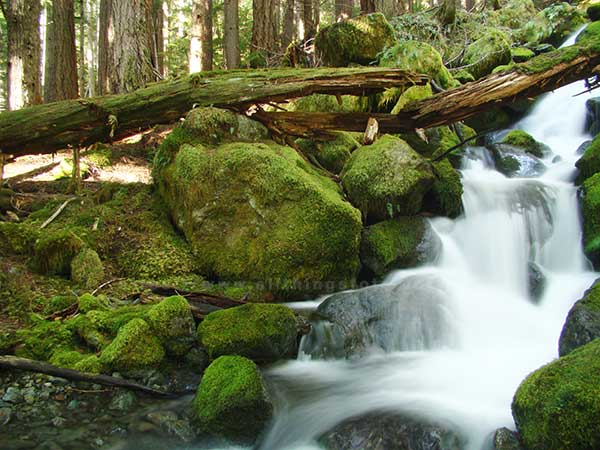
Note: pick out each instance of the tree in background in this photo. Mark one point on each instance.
(24, 52)
(231, 41)
(60, 80)
(201, 44)
(343, 9)
(264, 31)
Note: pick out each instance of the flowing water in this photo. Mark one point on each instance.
(497, 333)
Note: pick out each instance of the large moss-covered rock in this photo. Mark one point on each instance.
(232, 400)
(54, 252)
(259, 213)
(418, 57)
(43, 339)
(332, 154)
(17, 238)
(583, 322)
(487, 52)
(358, 40)
(397, 243)
(135, 347)
(523, 140)
(557, 407)
(387, 179)
(445, 196)
(589, 163)
(261, 332)
(87, 269)
(591, 218)
(173, 323)
(551, 25)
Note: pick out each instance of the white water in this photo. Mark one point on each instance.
(501, 335)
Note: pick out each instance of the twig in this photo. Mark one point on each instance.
(57, 213)
(106, 283)
(454, 147)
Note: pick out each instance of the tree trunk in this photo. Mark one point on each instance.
(343, 9)
(310, 29)
(61, 54)
(201, 46)
(24, 53)
(158, 39)
(447, 12)
(232, 34)
(46, 128)
(105, 28)
(367, 6)
(288, 23)
(91, 48)
(82, 67)
(264, 31)
(469, 4)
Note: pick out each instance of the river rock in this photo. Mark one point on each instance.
(526, 142)
(411, 315)
(12, 395)
(515, 162)
(592, 118)
(5, 415)
(583, 321)
(504, 439)
(536, 281)
(123, 401)
(173, 323)
(388, 431)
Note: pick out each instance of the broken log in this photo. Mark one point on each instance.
(76, 123)
(219, 301)
(13, 362)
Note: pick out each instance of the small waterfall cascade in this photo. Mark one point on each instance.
(461, 354)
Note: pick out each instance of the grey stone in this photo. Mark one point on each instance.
(13, 395)
(123, 401)
(5, 416)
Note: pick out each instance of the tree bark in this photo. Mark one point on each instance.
(24, 53)
(158, 39)
(343, 9)
(201, 46)
(264, 31)
(232, 34)
(46, 128)
(61, 54)
(310, 30)
(105, 29)
(367, 6)
(82, 67)
(287, 35)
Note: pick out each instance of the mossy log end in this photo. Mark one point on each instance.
(73, 123)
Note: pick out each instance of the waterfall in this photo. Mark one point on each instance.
(498, 333)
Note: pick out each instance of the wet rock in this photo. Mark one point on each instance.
(5, 415)
(385, 431)
(537, 281)
(411, 315)
(592, 119)
(169, 422)
(123, 401)
(59, 421)
(13, 395)
(513, 161)
(504, 439)
(583, 322)
(582, 148)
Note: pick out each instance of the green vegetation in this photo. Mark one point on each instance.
(524, 140)
(521, 54)
(87, 269)
(487, 52)
(17, 238)
(87, 303)
(332, 154)
(232, 399)
(591, 218)
(43, 339)
(172, 322)
(445, 196)
(261, 332)
(557, 407)
(589, 163)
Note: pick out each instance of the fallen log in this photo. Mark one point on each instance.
(13, 362)
(219, 301)
(75, 123)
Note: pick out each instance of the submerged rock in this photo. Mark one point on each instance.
(389, 431)
(583, 322)
(558, 405)
(515, 162)
(232, 400)
(412, 315)
(536, 281)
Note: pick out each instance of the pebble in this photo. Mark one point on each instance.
(123, 401)
(13, 395)
(73, 405)
(59, 421)
(5, 416)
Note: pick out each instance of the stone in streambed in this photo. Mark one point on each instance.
(583, 322)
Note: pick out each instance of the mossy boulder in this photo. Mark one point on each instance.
(331, 154)
(89, 364)
(6, 199)
(387, 179)
(583, 322)
(43, 339)
(261, 332)
(523, 140)
(591, 218)
(557, 407)
(445, 196)
(398, 243)
(135, 347)
(358, 40)
(589, 163)
(551, 25)
(486, 53)
(418, 57)
(88, 302)
(87, 269)
(259, 213)
(521, 54)
(54, 252)
(412, 94)
(67, 358)
(173, 323)
(17, 238)
(232, 400)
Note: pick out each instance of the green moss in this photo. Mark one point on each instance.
(100, 156)
(418, 57)
(557, 407)
(172, 322)
(593, 12)
(135, 347)
(17, 238)
(589, 163)
(66, 358)
(90, 364)
(331, 154)
(445, 196)
(387, 179)
(87, 269)
(412, 94)
(524, 140)
(358, 40)
(58, 303)
(262, 332)
(87, 303)
(521, 54)
(65, 169)
(277, 222)
(43, 339)
(486, 53)
(170, 146)
(462, 76)
(54, 252)
(232, 399)
(329, 103)
(591, 218)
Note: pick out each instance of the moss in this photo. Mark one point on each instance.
(329, 103)
(331, 154)
(412, 94)
(358, 40)
(487, 52)
(170, 146)
(593, 12)
(43, 339)
(232, 399)
(90, 364)
(100, 156)
(54, 252)
(589, 163)
(392, 244)
(17, 238)
(557, 407)
(65, 169)
(87, 269)
(277, 223)
(262, 332)
(172, 322)
(135, 347)
(387, 179)
(445, 196)
(583, 321)
(524, 140)
(462, 76)
(591, 218)
(58, 303)
(521, 54)
(66, 358)
(88, 302)
(551, 25)
(418, 57)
